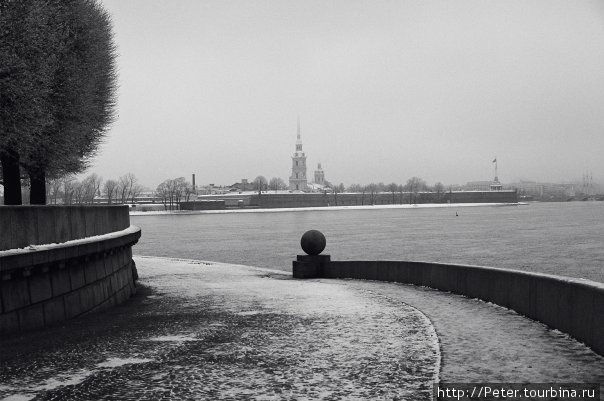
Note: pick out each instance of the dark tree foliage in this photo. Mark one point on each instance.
(73, 66)
(26, 64)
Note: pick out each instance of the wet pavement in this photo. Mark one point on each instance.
(200, 330)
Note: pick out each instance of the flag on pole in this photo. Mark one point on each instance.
(494, 160)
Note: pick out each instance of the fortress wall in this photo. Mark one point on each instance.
(21, 226)
(483, 197)
(268, 200)
(203, 205)
(573, 306)
(47, 284)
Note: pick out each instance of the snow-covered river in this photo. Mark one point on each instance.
(557, 238)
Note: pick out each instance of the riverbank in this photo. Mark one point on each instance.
(205, 330)
(324, 208)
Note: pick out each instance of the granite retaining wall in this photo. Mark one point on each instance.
(21, 226)
(41, 285)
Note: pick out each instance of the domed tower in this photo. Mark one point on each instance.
(297, 181)
(319, 175)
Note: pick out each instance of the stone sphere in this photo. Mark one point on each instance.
(313, 242)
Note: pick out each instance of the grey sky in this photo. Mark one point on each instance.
(384, 89)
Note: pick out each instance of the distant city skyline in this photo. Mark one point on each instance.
(385, 91)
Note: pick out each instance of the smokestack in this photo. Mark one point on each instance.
(193, 180)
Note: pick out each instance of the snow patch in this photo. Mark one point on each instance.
(46, 247)
(173, 338)
(248, 313)
(117, 362)
(19, 397)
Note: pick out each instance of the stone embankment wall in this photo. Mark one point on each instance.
(21, 226)
(73, 260)
(268, 200)
(203, 205)
(573, 306)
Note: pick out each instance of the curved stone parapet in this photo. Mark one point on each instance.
(573, 306)
(21, 226)
(44, 284)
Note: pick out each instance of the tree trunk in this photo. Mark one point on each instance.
(37, 194)
(11, 176)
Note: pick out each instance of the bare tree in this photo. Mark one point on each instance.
(392, 187)
(125, 185)
(90, 188)
(188, 192)
(401, 188)
(123, 189)
(172, 191)
(372, 189)
(132, 186)
(277, 184)
(109, 189)
(78, 192)
(53, 188)
(69, 186)
(414, 186)
(135, 192)
(336, 189)
(180, 186)
(163, 192)
(355, 188)
(439, 188)
(260, 184)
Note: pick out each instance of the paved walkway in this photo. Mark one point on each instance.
(482, 342)
(213, 331)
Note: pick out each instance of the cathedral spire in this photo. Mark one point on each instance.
(297, 181)
(298, 136)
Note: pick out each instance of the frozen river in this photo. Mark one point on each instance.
(557, 238)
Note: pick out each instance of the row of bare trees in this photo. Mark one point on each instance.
(413, 187)
(173, 191)
(260, 184)
(69, 190)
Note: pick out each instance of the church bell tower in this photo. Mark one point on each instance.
(297, 180)
(319, 175)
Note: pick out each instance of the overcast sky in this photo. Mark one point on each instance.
(385, 90)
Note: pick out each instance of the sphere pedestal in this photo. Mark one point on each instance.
(309, 266)
(312, 265)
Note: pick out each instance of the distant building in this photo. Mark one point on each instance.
(319, 175)
(543, 190)
(297, 181)
(494, 185)
(483, 186)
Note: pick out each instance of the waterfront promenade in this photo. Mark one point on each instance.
(202, 330)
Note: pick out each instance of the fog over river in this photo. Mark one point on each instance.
(556, 238)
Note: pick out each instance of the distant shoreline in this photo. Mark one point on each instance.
(321, 208)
